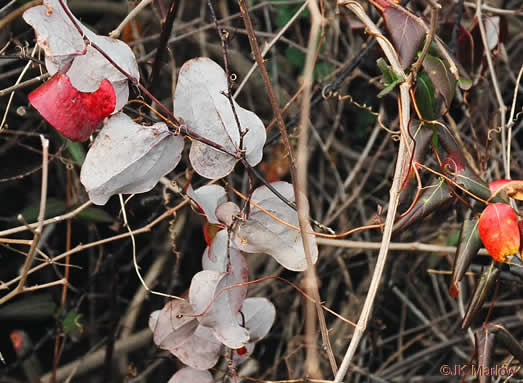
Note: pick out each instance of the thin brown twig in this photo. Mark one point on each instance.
(428, 40)
(38, 230)
(279, 118)
(312, 364)
(144, 229)
(404, 149)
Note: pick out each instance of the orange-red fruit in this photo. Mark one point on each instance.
(453, 290)
(499, 232)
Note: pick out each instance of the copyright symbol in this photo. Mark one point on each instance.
(445, 370)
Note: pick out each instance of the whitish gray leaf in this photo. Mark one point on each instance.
(259, 315)
(172, 325)
(220, 310)
(227, 212)
(208, 198)
(201, 351)
(222, 258)
(66, 52)
(191, 375)
(261, 233)
(127, 157)
(200, 101)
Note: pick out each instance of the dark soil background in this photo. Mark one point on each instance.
(415, 327)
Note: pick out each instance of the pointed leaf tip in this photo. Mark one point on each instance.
(406, 33)
(499, 231)
(75, 114)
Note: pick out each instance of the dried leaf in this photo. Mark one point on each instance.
(127, 157)
(499, 231)
(55, 34)
(513, 188)
(227, 212)
(74, 114)
(201, 351)
(205, 109)
(222, 258)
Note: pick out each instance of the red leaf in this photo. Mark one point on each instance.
(406, 33)
(499, 232)
(74, 114)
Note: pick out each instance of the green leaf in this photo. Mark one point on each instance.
(31, 307)
(295, 57)
(488, 279)
(390, 79)
(322, 70)
(76, 150)
(464, 83)
(72, 324)
(389, 76)
(468, 246)
(286, 12)
(432, 198)
(95, 214)
(435, 140)
(53, 207)
(425, 95)
(389, 88)
(441, 77)
(453, 238)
